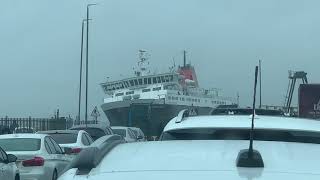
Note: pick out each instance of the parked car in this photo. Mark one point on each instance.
(39, 156)
(8, 167)
(20, 130)
(107, 138)
(126, 132)
(138, 133)
(73, 141)
(94, 130)
(210, 147)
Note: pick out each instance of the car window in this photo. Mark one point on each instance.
(135, 131)
(90, 140)
(56, 146)
(3, 155)
(84, 140)
(109, 131)
(46, 145)
(131, 134)
(64, 138)
(20, 144)
(51, 146)
(141, 133)
(243, 134)
(121, 132)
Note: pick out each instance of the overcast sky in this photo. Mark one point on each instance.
(40, 47)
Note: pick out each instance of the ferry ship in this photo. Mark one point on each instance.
(149, 101)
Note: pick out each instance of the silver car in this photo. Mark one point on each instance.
(8, 168)
(39, 156)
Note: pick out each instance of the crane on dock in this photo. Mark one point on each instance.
(293, 77)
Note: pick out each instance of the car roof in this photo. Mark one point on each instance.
(59, 131)
(244, 121)
(120, 127)
(100, 126)
(208, 156)
(24, 135)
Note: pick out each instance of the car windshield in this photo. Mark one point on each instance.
(64, 138)
(95, 133)
(20, 144)
(121, 132)
(243, 134)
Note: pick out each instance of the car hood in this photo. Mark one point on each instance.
(207, 160)
(218, 155)
(238, 174)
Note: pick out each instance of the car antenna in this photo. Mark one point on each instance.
(251, 158)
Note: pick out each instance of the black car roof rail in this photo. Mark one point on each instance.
(91, 157)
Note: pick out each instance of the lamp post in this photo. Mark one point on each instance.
(87, 59)
(81, 63)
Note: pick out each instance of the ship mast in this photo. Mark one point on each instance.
(143, 62)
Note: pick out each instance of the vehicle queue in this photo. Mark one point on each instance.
(275, 147)
(44, 155)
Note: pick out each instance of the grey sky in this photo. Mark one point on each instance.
(40, 46)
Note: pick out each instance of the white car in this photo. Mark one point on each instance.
(208, 147)
(8, 168)
(106, 138)
(126, 132)
(39, 156)
(138, 133)
(72, 141)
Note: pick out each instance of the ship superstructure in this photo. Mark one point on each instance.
(149, 101)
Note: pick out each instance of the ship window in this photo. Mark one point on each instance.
(162, 79)
(140, 81)
(182, 99)
(154, 80)
(159, 80)
(131, 83)
(156, 89)
(136, 82)
(145, 81)
(129, 92)
(171, 78)
(149, 81)
(119, 94)
(146, 90)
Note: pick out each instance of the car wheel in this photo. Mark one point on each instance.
(55, 175)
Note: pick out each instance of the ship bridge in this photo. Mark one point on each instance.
(140, 82)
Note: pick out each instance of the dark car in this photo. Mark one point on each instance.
(94, 130)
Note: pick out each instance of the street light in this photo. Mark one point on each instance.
(81, 62)
(87, 58)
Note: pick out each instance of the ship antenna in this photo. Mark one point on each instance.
(249, 157)
(184, 58)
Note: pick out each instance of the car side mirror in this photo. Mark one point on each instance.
(67, 150)
(139, 137)
(12, 158)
